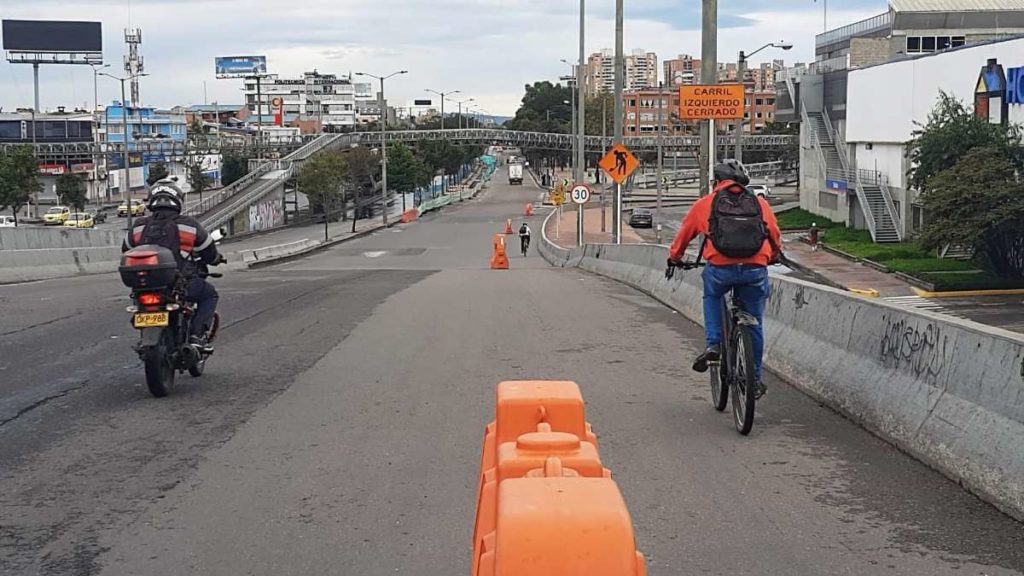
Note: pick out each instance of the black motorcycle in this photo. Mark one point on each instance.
(163, 316)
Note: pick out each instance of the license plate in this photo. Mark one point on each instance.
(151, 319)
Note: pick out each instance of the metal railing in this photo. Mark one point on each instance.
(221, 214)
(837, 139)
(877, 23)
(831, 64)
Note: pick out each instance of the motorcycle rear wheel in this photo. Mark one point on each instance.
(159, 372)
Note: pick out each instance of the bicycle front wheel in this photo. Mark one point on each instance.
(719, 385)
(743, 381)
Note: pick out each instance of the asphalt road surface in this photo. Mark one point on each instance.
(338, 427)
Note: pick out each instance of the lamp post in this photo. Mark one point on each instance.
(383, 143)
(572, 113)
(95, 107)
(443, 95)
(124, 156)
(741, 72)
(460, 103)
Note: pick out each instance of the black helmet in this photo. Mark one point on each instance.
(731, 169)
(165, 194)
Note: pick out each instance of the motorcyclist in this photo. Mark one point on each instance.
(524, 237)
(738, 248)
(194, 249)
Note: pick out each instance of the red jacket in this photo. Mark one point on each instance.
(697, 221)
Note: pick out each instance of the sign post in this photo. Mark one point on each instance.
(618, 163)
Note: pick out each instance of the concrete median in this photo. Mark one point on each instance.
(946, 390)
(29, 254)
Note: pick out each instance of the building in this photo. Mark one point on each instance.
(158, 129)
(214, 113)
(641, 113)
(641, 71)
(834, 181)
(683, 70)
(326, 96)
(57, 128)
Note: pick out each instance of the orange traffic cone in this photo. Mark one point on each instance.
(508, 226)
(499, 261)
(529, 209)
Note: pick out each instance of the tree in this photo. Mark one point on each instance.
(979, 203)
(71, 191)
(321, 178)
(233, 166)
(19, 178)
(361, 179)
(197, 179)
(157, 171)
(405, 170)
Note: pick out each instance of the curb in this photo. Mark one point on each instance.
(964, 293)
(312, 249)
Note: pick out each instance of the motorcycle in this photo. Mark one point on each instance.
(163, 316)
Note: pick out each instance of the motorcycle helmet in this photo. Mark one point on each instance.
(165, 194)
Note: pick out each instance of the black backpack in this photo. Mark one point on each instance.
(162, 230)
(737, 227)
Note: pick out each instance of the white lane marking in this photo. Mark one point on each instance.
(375, 253)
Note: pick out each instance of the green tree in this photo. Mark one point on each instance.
(405, 170)
(979, 203)
(361, 180)
(233, 166)
(71, 191)
(19, 178)
(600, 111)
(321, 178)
(157, 171)
(200, 182)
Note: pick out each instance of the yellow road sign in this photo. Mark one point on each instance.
(619, 163)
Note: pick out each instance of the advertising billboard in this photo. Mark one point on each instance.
(241, 66)
(52, 36)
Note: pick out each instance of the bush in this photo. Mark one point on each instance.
(800, 219)
(911, 266)
(981, 280)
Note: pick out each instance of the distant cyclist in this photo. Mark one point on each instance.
(524, 237)
(741, 238)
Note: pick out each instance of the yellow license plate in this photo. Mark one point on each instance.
(151, 319)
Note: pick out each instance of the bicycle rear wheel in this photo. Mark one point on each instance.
(742, 381)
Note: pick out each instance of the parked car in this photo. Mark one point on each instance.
(137, 208)
(99, 216)
(79, 220)
(761, 190)
(56, 216)
(641, 218)
(7, 222)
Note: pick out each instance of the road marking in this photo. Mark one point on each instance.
(375, 253)
(920, 303)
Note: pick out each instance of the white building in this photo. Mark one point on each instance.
(641, 71)
(324, 96)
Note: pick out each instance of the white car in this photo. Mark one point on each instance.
(761, 190)
(7, 222)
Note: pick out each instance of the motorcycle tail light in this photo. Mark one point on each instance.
(150, 298)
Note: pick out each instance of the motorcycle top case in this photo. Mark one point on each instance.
(148, 266)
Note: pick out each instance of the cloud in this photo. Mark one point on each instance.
(488, 49)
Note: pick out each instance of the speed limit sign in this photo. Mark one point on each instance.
(580, 194)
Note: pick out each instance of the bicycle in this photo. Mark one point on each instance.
(734, 372)
(524, 244)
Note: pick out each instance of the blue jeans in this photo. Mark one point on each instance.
(750, 284)
(205, 296)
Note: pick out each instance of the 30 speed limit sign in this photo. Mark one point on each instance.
(580, 194)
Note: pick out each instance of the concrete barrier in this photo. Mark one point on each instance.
(30, 265)
(948, 391)
(31, 238)
(278, 251)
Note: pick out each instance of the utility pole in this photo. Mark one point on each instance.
(381, 104)
(708, 75)
(604, 146)
(657, 175)
(619, 81)
(581, 106)
(741, 73)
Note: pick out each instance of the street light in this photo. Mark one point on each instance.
(124, 157)
(443, 95)
(383, 143)
(95, 107)
(460, 103)
(741, 72)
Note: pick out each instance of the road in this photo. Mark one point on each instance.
(338, 428)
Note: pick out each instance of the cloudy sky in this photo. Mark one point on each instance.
(488, 49)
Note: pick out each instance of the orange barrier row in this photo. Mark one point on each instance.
(545, 503)
(410, 215)
(499, 259)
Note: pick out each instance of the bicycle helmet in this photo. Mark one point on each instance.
(165, 194)
(731, 169)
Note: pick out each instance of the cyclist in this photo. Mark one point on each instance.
(741, 237)
(192, 245)
(524, 237)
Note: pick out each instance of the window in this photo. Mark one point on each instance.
(913, 44)
(759, 101)
(942, 42)
(54, 129)
(10, 130)
(631, 116)
(632, 102)
(759, 115)
(917, 216)
(770, 101)
(928, 44)
(956, 41)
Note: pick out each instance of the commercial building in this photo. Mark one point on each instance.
(641, 71)
(857, 186)
(328, 97)
(160, 130)
(216, 113)
(60, 128)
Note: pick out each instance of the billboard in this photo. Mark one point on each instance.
(52, 36)
(241, 66)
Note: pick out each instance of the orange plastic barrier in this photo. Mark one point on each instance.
(410, 215)
(529, 209)
(540, 438)
(499, 260)
(508, 226)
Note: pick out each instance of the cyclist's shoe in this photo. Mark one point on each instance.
(200, 343)
(712, 354)
(759, 389)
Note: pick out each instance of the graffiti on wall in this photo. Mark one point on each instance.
(266, 215)
(920, 348)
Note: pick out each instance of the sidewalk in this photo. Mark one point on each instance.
(592, 234)
(850, 275)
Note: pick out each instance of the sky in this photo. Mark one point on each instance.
(486, 49)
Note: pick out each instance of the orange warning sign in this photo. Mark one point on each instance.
(714, 102)
(619, 163)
